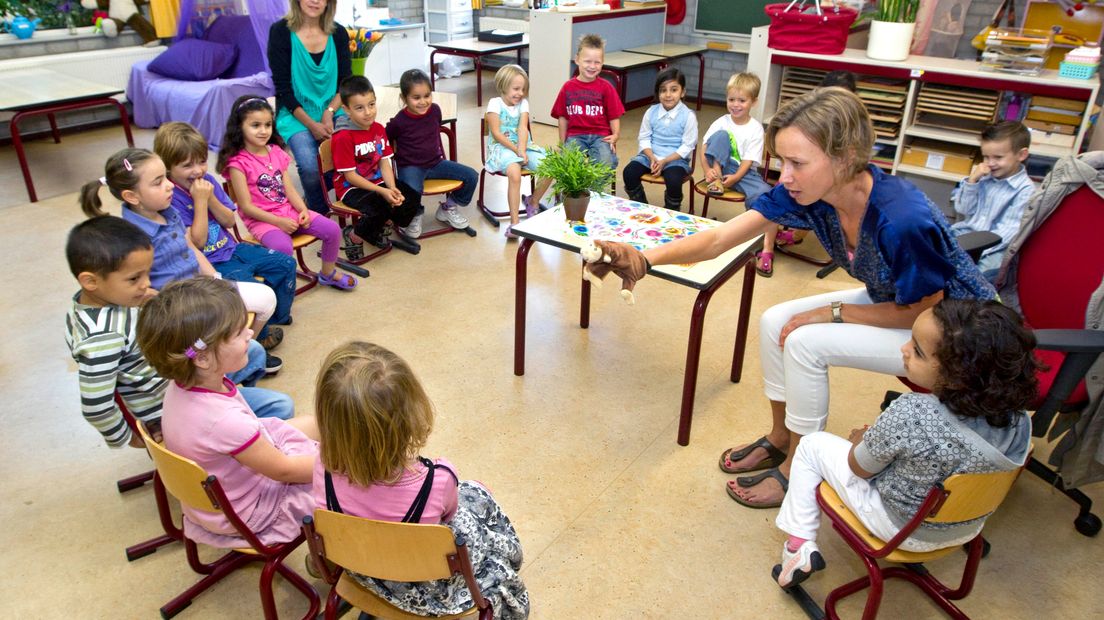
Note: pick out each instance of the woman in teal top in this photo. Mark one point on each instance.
(308, 55)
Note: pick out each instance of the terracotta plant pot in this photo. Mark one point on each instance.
(575, 207)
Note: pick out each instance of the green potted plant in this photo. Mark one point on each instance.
(575, 176)
(891, 29)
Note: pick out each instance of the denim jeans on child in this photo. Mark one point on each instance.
(445, 169)
(597, 148)
(275, 268)
(719, 149)
(264, 403)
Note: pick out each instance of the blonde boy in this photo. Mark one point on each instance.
(588, 109)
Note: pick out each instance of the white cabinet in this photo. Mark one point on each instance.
(402, 48)
(448, 20)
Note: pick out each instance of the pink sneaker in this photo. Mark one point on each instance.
(798, 565)
(531, 208)
(509, 234)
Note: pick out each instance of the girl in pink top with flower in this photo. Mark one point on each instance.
(193, 333)
(374, 417)
(253, 160)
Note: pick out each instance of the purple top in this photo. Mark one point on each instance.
(416, 139)
(219, 246)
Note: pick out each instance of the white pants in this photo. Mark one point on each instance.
(259, 299)
(823, 457)
(798, 374)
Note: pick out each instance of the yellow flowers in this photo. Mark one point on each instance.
(361, 41)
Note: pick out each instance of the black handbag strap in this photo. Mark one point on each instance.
(414, 513)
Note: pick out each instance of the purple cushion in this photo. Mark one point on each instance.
(237, 30)
(193, 60)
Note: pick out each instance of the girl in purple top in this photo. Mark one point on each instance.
(374, 417)
(252, 159)
(194, 333)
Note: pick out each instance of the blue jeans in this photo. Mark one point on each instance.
(276, 269)
(264, 403)
(304, 148)
(719, 149)
(445, 169)
(595, 148)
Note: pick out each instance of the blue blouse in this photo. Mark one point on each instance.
(905, 250)
(172, 258)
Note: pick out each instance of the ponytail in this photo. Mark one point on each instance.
(90, 199)
(121, 172)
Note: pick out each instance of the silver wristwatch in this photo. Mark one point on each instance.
(837, 311)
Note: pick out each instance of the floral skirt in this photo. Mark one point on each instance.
(495, 552)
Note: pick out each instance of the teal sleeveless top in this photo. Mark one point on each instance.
(314, 85)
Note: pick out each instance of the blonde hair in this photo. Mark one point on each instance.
(179, 143)
(325, 20)
(373, 414)
(835, 120)
(506, 75)
(184, 312)
(746, 83)
(591, 41)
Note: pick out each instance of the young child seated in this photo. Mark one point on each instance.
(194, 333)
(588, 109)
(111, 259)
(374, 417)
(508, 146)
(415, 134)
(208, 214)
(668, 135)
(733, 152)
(364, 179)
(993, 197)
(976, 358)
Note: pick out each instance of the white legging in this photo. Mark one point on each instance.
(798, 373)
(259, 299)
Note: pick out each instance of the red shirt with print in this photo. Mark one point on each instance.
(588, 107)
(361, 150)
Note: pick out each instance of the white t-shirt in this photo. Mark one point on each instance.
(499, 107)
(749, 137)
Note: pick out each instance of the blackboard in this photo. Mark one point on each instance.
(731, 16)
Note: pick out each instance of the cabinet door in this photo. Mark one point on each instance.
(408, 51)
(378, 66)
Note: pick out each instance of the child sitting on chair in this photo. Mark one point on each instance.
(195, 333)
(976, 358)
(588, 110)
(374, 417)
(668, 135)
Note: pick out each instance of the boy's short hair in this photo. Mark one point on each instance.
(746, 83)
(100, 245)
(179, 143)
(841, 78)
(1013, 131)
(354, 85)
(591, 41)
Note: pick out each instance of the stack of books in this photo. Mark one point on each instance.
(1016, 50)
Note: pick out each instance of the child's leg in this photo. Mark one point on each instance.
(269, 403)
(513, 190)
(820, 457)
(673, 179)
(277, 270)
(718, 150)
(632, 173)
(403, 214)
(448, 169)
(277, 240)
(539, 190)
(536, 156)
(600, 150)
(261, 301)
(375, 211)
(330, 233)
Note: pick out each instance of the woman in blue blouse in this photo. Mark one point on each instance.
(880, 229)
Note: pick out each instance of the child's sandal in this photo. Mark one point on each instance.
(715, 189)
(764, 264)
(338, 280)
(353, 251)
(786, 237)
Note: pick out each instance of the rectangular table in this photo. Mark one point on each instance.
(475, 49)
(620, 63)
(618, 219)
(674, 51)
(34, 92)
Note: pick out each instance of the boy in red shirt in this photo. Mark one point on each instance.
(588, 109)
(364, 179)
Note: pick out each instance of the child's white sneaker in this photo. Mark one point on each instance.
(797, 565)
(414, 228)
(452, 215)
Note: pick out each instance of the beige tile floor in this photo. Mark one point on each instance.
(617, 520)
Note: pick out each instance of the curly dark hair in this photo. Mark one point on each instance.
(986, 358)
(233, 141)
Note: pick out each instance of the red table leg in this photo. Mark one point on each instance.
(519, 305)
(54, 128)
(125, 118)
(478, 81)
(742, 323)
(584, 303)
(693, 355)
(21, 155)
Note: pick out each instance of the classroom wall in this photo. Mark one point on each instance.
(410, 11)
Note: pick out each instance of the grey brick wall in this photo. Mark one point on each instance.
(410, 11)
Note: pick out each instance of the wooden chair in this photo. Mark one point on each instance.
(961, 497)
(492, 216)
(659, 180)
(386, 550)
(298, 243)
(192, 486)
(729, 195)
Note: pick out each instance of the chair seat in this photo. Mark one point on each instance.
(702, 187)
(302, 240)
(655, 178)
(361, 598)
(340, 208)
(440, 186)
(831, 501)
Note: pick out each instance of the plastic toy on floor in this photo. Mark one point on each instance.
(603, 257)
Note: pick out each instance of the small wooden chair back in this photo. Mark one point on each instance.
(182, 477)
(386, 550)
(972, 496)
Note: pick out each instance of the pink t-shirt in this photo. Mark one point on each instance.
(588, 107)
(210, 428)
(265, 175)
(390, 502)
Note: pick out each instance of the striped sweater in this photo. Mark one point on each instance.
(104, 343)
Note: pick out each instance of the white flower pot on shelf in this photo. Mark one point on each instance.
(890, 40)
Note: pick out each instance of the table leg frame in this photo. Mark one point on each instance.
(520, 277)
(742, 323)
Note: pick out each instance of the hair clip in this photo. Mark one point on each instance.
(126, 164)
(103, 180)
(192, 351)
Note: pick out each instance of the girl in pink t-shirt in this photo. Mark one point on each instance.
(374, 417)
(194, 332)
(252, 159)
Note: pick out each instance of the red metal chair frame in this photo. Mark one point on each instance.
(659, 180)
(492, 216)
(699, 187)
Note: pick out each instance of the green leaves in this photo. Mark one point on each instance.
(573, 171)
(900, 11)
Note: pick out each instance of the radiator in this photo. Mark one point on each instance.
(501, 23)
(109, 66)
